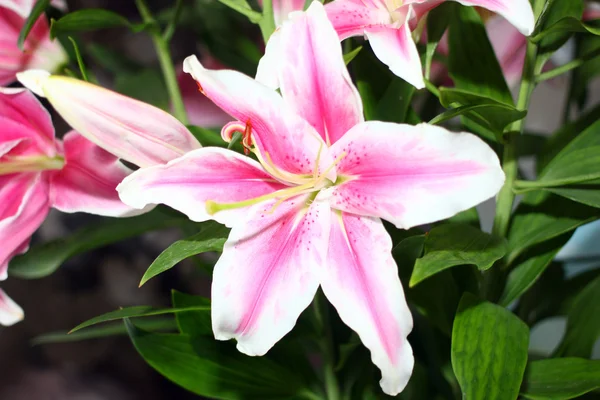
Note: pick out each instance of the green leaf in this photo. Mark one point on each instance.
(348, 57)
(560, 378)
(37, 11)
(136, 311)
(211, 238)
(578, 162)
(489, 350)
(583, 324)
(564, 136)
(208, 138)
(542, 216)
(437, 23)
(529, 267)
(193, 323)
(472, 62)
(588, 193)
(587, 46)
(566, 25)
(555, 11)
(243, 8)
(449, 245)
(492, 114)
(108, 330)
(44, 259)
(213, 369)
(393, 105)
(91, 19)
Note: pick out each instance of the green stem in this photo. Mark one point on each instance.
(327, 345)
(506, 196)
(267, 22)
(578, 62)
(493, 279)
(161, 44)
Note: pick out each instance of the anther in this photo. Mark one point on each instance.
(200, 89)
(247, 138)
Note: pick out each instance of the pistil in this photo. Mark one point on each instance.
(30, 164)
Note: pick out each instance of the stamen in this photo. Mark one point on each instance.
(200, 89)
(12, 165)
(247, 138)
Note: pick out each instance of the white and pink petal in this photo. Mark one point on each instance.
(10, 312)
(313, 77)
(187, 183)
(352, 17)
(413, 175)
(361, 281)
(88, 181)
(24, 199)
(275, 257)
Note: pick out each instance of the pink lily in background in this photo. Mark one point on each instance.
(10, 312)
(39, 50)
(282, 8)
(307, 214)
(38, 172)
(385, 23)
(130, 129)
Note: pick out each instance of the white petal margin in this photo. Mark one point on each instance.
(268, 273)
(186, 183)
(10, 312)
(361, 281)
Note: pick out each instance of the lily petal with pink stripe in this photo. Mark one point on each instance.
(308, 213)
(385, 23)
(10, 312)
(130, 129)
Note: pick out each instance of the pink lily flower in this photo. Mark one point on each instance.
(385, 23)
(10, 312)
(282, 8)
(39, 51)
(307, 213)
(38, 172)
(130, 129)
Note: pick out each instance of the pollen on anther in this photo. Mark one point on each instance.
(200, 89)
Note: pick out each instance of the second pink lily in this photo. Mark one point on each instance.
(307, 214)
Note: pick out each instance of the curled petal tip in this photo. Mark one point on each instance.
(34, 80)
(10, 312)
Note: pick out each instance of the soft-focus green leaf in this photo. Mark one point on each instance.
(243, 8)
(555, 11)
(80, 62)
(486, 111)
(44, 259)
(578, 161)
(583, 323)
(193, 323)
(209, 137)
(560, 378)
(437, 23)
(90, 19)
(564, 135)
(108, 330)
(36, 12)
(472, 62)
(529, 267)
(588, 193)
(582, 76)
(566, 25)
(542, 216)
(146, 85)
(489, 350)
(469, 217)
(394, 103)
(348, 57)
(449, 245)
(214, 369)
(138, 311)
(211, 238)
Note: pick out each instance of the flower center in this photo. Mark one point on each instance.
(393, 8)
(12, 165)
(315, 183)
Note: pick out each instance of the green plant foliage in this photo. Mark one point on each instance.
(449, 245)
(209, 368)
(44, 259)
(37, 11)
(90, 20)
(211, 238)
(489, 350)
(560, 378)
